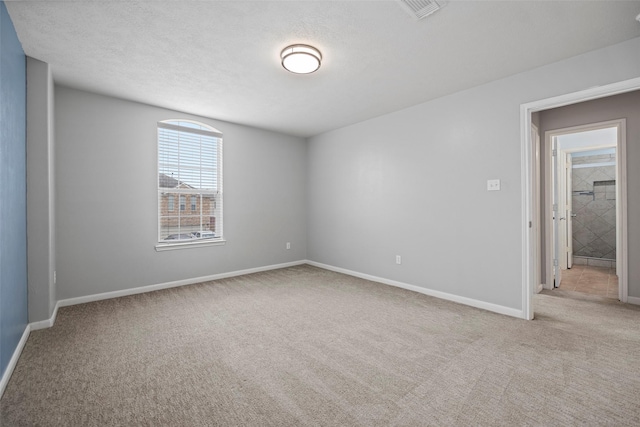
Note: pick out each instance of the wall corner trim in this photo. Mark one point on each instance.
(500, 309)
(14, 360)
(47, 323)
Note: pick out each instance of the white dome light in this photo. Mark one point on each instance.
(301, 58)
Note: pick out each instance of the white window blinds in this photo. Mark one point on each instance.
(190, 171)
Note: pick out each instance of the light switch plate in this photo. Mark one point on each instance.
(493, 185)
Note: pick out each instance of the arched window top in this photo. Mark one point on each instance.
(190, 124)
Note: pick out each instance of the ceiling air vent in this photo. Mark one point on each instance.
(419, 9)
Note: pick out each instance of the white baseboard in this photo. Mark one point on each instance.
(167, 285)
(633, 300)
(14, 360)
(143, 289)
(43, 324)
(539, 288)
(438, 294)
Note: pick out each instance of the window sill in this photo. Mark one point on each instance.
(160, 247)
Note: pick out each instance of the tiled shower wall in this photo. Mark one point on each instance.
(594, 203)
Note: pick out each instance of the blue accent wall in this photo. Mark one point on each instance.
(13, 190)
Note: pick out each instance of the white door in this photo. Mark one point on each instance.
(564, 255)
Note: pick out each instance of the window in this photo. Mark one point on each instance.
(189, 166)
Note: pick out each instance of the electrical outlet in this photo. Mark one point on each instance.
(288, 245)
(493, 185)
(398, 259)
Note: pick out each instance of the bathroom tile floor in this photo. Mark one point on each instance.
(599, 281)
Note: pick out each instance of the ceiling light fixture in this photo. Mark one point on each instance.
(301, 58)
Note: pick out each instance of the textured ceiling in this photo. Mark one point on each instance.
(220, 59)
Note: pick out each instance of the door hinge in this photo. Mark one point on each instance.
(555, 207)
(555, 262)
(554, 152)
(530, 224)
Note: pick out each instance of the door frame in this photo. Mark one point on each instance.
(553, 182)
(528, 168)
(536, 226)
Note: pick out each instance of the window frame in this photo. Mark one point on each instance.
(195, 194)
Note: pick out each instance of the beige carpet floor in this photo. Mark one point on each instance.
(309, 347)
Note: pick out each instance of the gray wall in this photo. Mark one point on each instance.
(413, 183)
(627, 106)
(13, 191)
(106, 198)
(40, 191)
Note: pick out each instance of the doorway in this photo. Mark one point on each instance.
(531, 216)
(584, 239)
